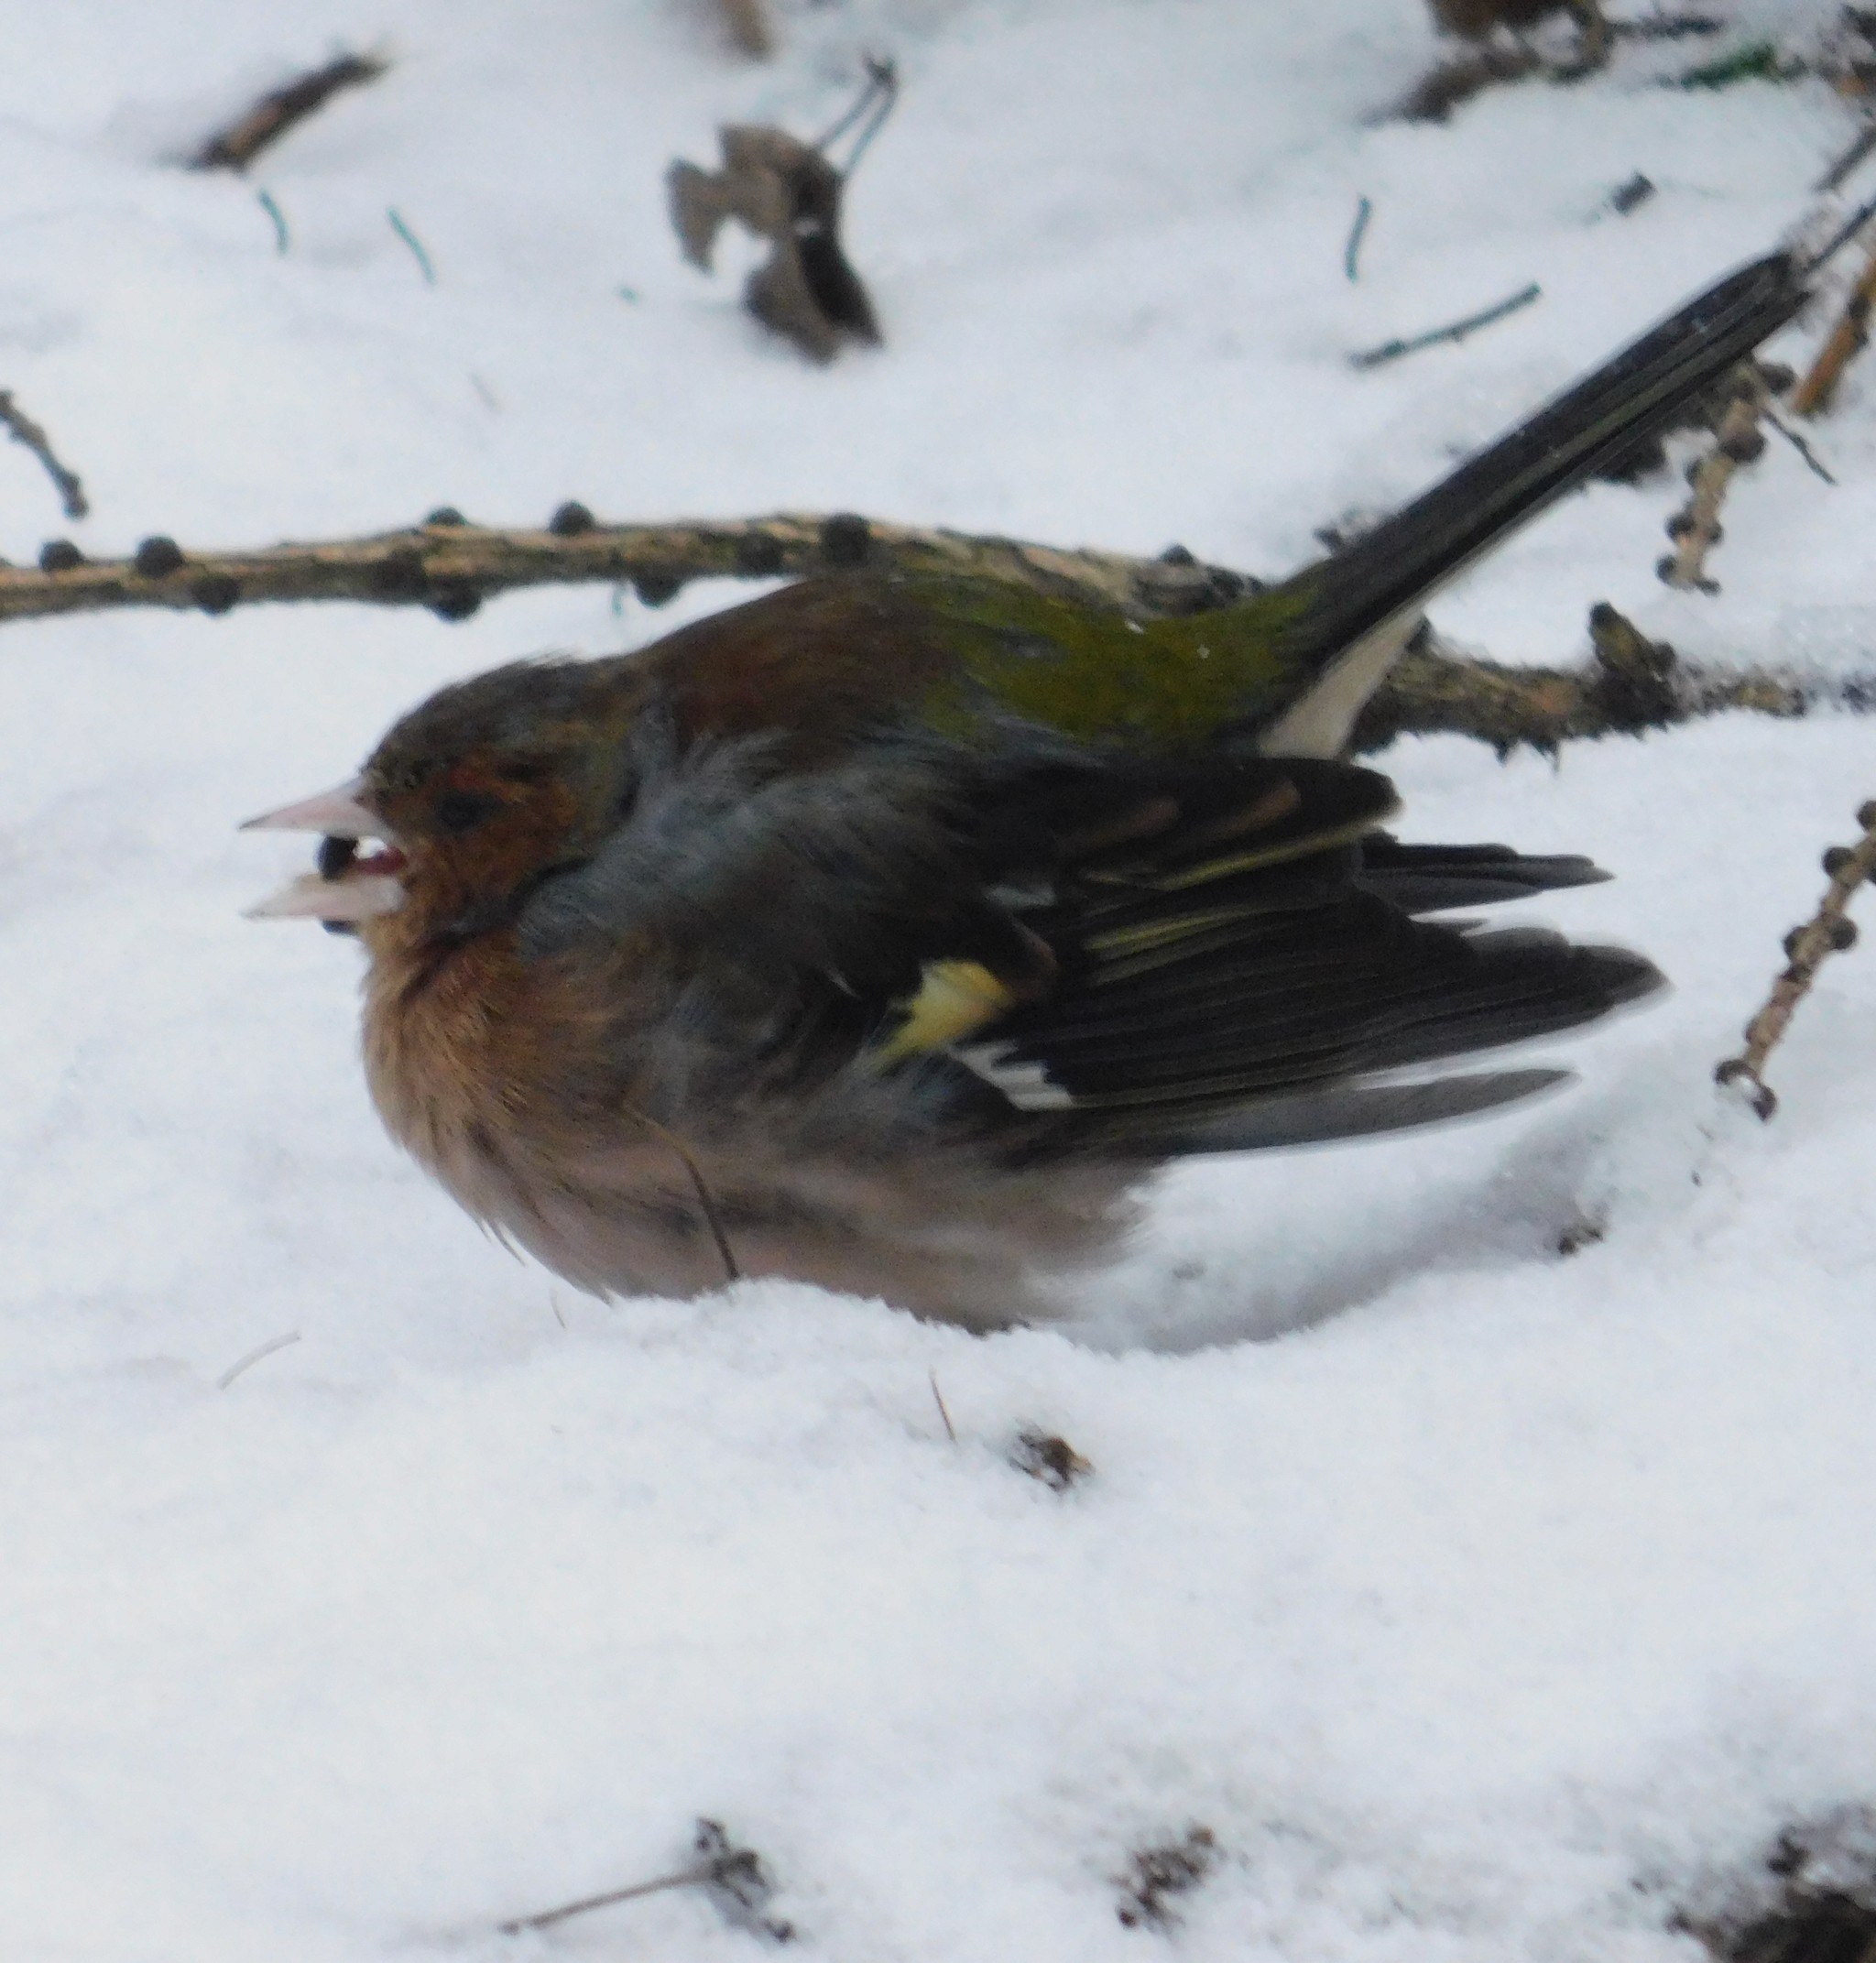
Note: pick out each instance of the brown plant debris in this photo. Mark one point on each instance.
(1812, 1901)
(1847, 341)
(1042, 1455)
(451, 567)
(788, 192)
(747, 21)
(23, 430)
(237, 146)
(1480, 20)
(1695, 528)
(1500, 53)
(733, 1877)
(1159, 1873)
(1829, 931)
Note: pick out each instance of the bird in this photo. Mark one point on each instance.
(891, 930)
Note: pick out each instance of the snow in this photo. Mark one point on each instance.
(1482, 1603)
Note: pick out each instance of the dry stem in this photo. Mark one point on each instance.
(1695, 528)
(237, 146)
(25, 430)
(1828, 932)
(1847, 341)
(748, 27)
(450, 567)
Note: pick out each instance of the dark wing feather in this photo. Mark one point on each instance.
(1236, 975)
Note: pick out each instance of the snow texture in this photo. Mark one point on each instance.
(1483, 1603)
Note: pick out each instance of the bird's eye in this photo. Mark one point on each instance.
(462, 811)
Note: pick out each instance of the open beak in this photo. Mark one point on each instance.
(346, 887)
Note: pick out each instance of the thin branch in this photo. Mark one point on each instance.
(1696, 529)
(1828, 932)
(1812, 461)
(1846, 165)
(451, 567)
(938, 1399)
(1455, 331)
(404, 231)
(23, 430)
(254, 1356)
(733, 1878)
(283, 238)
(686, 1878)
(1351, 252)
(1847, 339)
(237, 146)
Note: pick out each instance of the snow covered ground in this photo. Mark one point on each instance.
(1480, 1602)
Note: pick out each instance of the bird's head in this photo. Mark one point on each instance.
(469, 803)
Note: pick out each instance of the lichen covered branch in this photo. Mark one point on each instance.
(451, 567)
(1829, 931)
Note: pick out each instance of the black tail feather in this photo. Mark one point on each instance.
(1641, 390)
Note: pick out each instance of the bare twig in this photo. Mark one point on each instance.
(733, 1876)
(878, 97)
(282, 237)
(1847, 339)
(23, 430)
(255, 1356)
(1457, 331)
(416, 245)
(1351, 252)
(1695, 528)
(938, 1399)
(1851, 159)
(1813, 462)
(450, 567)
(1828, 932)
(237, 146)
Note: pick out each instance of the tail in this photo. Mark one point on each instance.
(1358, 608)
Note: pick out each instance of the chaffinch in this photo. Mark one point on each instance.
(888, 931)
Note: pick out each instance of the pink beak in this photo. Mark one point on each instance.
(361, 889)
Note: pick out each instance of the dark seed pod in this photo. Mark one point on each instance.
(1679, 525)
(60, 555)
(1843, 935)
(1866, 815)
(215, 592)
(570, 520)
(846, 539)
(1664, 568)
(453, 599)
(1790, 943)
(655, 586)
(759, 554)
(1747, 447)
(446, 515)
(158, 557)
(1836, 859)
